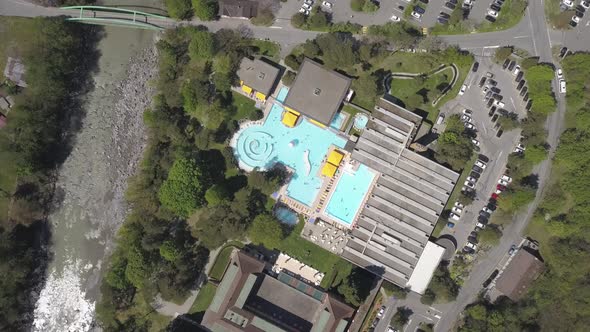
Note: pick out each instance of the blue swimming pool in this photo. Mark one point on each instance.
(360, 121)
(338, 121)
(286, 215)
(282, 94)
(301, 148)
(349, 193)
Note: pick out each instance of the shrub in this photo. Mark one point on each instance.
(298, 20)
(503, 53)
(265, 17)
(370, 7)
(289, 78)
(357, 5)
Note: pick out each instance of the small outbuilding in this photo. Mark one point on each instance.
(238, 8)
(258, 77)
(15, 71)
(520, 273)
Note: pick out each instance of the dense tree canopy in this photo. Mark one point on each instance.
(454, 146)
(266, 230)
(179, 9)
(182, 192)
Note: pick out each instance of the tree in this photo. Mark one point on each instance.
(265, 17)
(338, 49)
(370, 6)
(205, 10)
(293, 61)
(170, 251)
(366, 86)
(401, 317)
(289, 78)
(318, 20)
(514, 199)
(137, 267)
(503, 53)
(179, 9)
(216, 195)
(454, 145)
(266, 230)
(202, 45)
(356, 287)
(115, 276)
(535, 154)
(311, 49)
(182, 192)
(357, 5)
(298, 20)
(490, 235)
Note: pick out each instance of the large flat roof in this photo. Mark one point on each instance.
(258, 74)
(401, 211)
(317, 92)
(424, 270)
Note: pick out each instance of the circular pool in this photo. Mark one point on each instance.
(254, 147)
(360, 121)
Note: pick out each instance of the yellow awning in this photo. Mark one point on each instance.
(292, 110)
(329, 170)
(260, 96)
(335, 157)
(246, 89)
(319, 124)
(290, 119)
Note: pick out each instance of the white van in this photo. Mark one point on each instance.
(440, 119)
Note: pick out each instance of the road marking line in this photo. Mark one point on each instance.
(513, 104)
(275, 27)
(532, 30)
(521, 37)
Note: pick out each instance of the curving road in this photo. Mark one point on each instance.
(531, 34)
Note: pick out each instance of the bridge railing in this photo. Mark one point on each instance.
(131, 21)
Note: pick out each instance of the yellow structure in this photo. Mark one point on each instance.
(260, 96)
(329, 170)
(246, 89)
(335, 157)
(290, 119)
(292, 111)
(319, 124)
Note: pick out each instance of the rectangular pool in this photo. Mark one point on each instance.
(338, 121)
(282, 94)
(349, 194)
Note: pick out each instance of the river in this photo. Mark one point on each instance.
(90, 203)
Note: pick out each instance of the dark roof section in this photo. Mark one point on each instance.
(404, 205)
(247, 299)
(317, 92)
(238, 8)
(259, 75)
(522, 270)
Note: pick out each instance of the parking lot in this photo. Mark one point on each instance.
(578, 10)
(495, 149)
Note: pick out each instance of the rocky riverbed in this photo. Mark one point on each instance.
(90, 204)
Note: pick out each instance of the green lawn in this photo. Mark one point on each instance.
(222, 259)
(421, 91)
(7, 182)
(266, 48)
(246, 107)
(203, 299)
(315, 256)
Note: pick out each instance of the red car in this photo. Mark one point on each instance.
(495, 196)
(500, 187)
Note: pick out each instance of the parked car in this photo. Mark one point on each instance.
(416, 15)
(463, 89)
(445, 15)
(559, 73)
(481, 164)
(506, 178)
(528, 106)
(502, 182)
(467, 111)
(506, 63)
(450, 224)
(394, 18)
(492, 111)
(442, 20)
(494, 196)
(585, 4)
(474, 175)
(519, 76)
(486, 209)
(465, 118)
(471, 179)
(457, 210)
(469, 184)
(563, 52)
(475, 142)
(562, 88)
(524, 91)
(475, 67)
(492, 13)
(327, 4)
(499, 133)
(512, 249)
(304, 11)
(381, 312)
(450, 5)
(482, 219)
(490, 102)
(479, 226)
(484, 214)
(491, 207)
(459, 205)
(490, 18)
(454, 216)
(482, 82)
(477, 169)
(520, 85)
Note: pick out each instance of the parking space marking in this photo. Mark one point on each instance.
(513, 104)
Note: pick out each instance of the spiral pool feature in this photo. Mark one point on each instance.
(360, 121)
(255, 147)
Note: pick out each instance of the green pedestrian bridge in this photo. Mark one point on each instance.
(102, 15)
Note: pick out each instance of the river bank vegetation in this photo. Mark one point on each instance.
(59, 58)
(558, 300)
